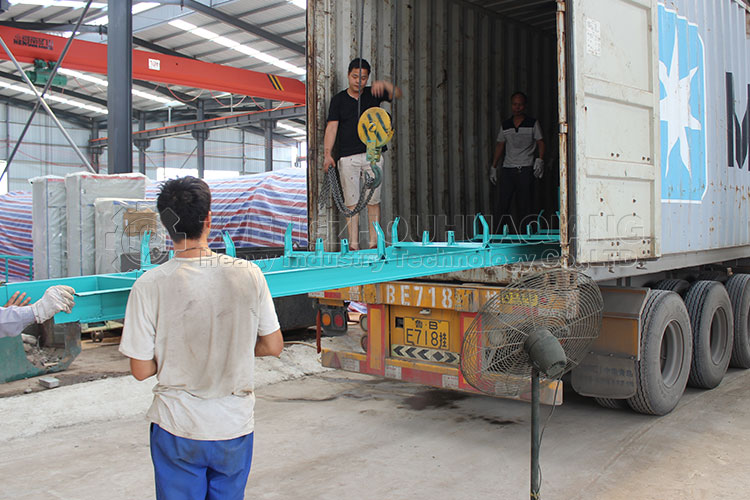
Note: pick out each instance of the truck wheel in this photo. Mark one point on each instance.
(738, 287)
(712, 322)
(662, 371)
(614, 404)
(674, 285)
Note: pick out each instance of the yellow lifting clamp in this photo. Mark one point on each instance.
(375, 131)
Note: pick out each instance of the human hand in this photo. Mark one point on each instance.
(55, 299)
(328, 163)
(538, 168)
(18, 300)
(379, 88)
(493, 175)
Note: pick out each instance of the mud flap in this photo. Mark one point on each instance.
(605, 376)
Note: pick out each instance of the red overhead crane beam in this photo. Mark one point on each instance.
(92, 57)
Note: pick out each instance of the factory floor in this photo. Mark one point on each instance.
(323, 434)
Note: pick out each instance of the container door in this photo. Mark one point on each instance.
(616, 178)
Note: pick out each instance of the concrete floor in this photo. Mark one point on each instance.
(337, 435)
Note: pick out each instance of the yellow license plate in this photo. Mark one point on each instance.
(430, 333)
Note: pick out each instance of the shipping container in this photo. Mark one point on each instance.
(646, 100)
(645, 111)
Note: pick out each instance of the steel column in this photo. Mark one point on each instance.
(142, 148)
(120, 78)
(268, 126)
(268, 131)
(95, 151)
(200, 136)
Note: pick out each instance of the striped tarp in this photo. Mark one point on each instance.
(256, 209)
(15, 233)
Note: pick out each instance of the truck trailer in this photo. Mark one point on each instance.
(645, 110)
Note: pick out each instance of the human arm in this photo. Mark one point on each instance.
(139, 334)
(499, 149)
(142, 369)
(329, 139)
(539, 162)
(14, 319)
(269, 342)
(18, 300)
(381, 87)
(269, 345)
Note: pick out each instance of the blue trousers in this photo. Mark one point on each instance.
(187, 469)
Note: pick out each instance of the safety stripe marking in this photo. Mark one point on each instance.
(275, 82)
(424, 354)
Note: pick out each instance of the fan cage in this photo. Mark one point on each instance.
(565, 302)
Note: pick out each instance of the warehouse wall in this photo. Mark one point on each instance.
(45, 151)
(228, 150)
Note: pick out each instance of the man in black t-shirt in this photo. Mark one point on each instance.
(342, 130)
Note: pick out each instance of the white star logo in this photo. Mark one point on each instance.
(675, 107)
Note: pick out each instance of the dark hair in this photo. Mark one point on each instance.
(183, 206)
(525, 99)
(355, 65)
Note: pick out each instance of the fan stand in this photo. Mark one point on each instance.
(535, 438)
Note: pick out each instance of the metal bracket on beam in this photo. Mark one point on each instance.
(200, 134)
(142, 144)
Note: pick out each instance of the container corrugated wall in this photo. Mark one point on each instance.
(458, 65)
(706, 200)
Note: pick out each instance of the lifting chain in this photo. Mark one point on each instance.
(332, 187)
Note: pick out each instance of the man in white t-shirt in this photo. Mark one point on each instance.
(197, 322)
(520, 139)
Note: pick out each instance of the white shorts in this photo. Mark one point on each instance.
(350, 168)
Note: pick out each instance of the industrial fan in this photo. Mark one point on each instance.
(540, 326)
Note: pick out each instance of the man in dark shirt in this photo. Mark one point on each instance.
(342, 130)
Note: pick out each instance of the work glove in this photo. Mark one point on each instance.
(493, 175)
(538, 168)
(55, 299)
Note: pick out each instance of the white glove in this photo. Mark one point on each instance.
(538, 168)
(56, 299)
(493, 175)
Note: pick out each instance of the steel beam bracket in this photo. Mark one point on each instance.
(141, 144)
(200, 135)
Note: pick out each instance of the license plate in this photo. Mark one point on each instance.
(430, 333)
(519, 298)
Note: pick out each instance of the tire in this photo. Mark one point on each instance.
(673, 285)
(712, 322)
(666, 347)
(614, 404)
(738, 287)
